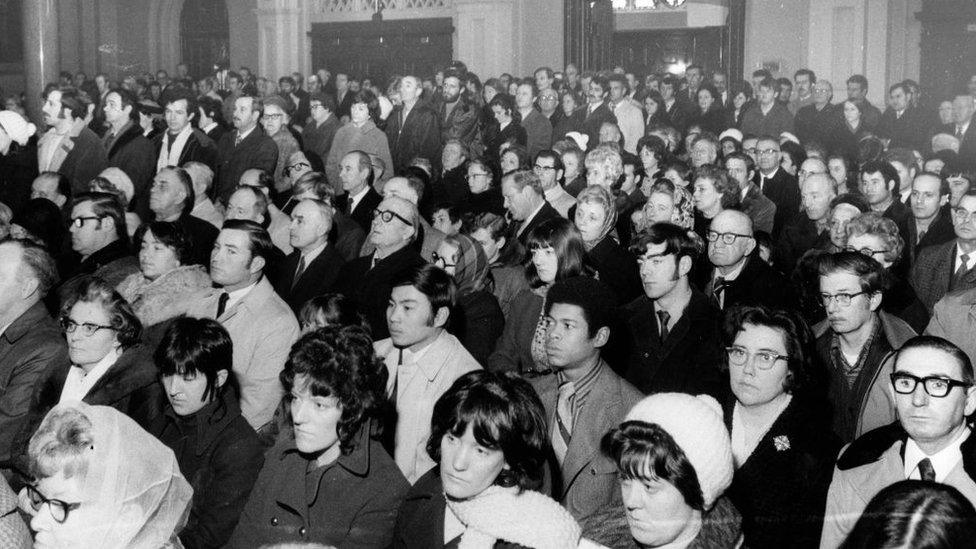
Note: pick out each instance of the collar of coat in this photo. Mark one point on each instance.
(872, 445)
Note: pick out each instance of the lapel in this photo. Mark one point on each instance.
(20, 327)
(602, 403)
(120, 379)
(318, 271)
(257, 295)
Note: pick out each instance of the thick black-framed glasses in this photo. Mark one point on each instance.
(842, 299)
(59, 509)
(443, 260)
(79, 221)
(296, 166)
(763, 360)
(869, 252)
(88, 329)
(936, 386)
(727, 238)
(388, 215)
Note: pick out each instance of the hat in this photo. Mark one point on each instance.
(944, 141)
(121, 180)
(149, 107)
(581, 139)
(18, 128)
(695, 423)
(731, 132)
(787, 136)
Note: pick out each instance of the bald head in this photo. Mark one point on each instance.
(401, 187)
(816, 193)
(732, 220)
(735, 226)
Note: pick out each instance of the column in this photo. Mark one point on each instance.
(41, 63)
(282, 38)
(486, 36)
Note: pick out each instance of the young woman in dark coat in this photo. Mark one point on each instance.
(783, 448)
(218, 452)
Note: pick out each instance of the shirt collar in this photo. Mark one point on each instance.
(243, 136)
(314, 253)
(430, 368)
(734, 274)
(943, 461)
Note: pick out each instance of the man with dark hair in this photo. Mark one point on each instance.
(903, 161)
(767, 116)
(760, 209)
(677, 108)
(673, 342)
(313, 267)
(361, 198)
(585, 398)
(879, 184)
(367, 280)
(931, 386)
(31, 346)
(538, 129)
(181, 142)
(694, 75)
(126, 148)
(422, 358)
(549, 167)
(526, 203)
(413, 127)
(171, 198)
(459, 116)
(931, 221)
(597, 112)
(949, 266)
(247, 147)
(210, 118)
(855, 340)
(343, 96)
(903, 125)
(69, 147)
(261, 326)
(857, 92)
(804, 80)
(234, 84)
(784, 91)
(320, 131)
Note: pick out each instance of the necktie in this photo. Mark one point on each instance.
(925, 470)
(718, 286)
(222, 303)
(299, 271)
(564, 421)
(921, 235)
(959, 132)
(238, 139)
(663, 317)
(957, 277)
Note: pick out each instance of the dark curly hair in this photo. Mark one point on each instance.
(504, 413)
(339, 362)
(169, 234)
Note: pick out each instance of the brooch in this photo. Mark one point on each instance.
(782, 443)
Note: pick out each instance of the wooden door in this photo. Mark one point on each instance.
(382, 49)
(948, 48)
(205, 33)
(644, 52)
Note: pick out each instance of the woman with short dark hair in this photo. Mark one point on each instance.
(326, 480)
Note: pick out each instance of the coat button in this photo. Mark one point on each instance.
(274, 521)
(301, 531)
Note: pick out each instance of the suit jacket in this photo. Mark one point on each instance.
(933, 271)
(198, 148)
(781, 488)
(757, 284)
(759, 208)
(521, 234)
(784, 191)
(593, 120)
(538, 132)
(796, 239)
(417, 136)
(257, 150)
(954, 318)
(31, 349)
(202, 237)
(134, 154)
(872, 463)
(363, 214)
(912, 130)
(688, 361)
(369, 287)
(317, 279)
(262, 328)
(967, 145)
(940, 231)
(587, 479)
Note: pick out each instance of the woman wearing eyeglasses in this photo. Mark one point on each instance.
(103, 482)
(783, 449)
(108, 365)
(486, 195)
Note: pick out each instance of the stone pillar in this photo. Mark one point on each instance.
(485, 36)
(282, 38)
(41, 62)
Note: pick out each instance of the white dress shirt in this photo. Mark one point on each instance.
(943, 461)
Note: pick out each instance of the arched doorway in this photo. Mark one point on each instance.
(205, 34)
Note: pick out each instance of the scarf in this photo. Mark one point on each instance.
(472, 266)
(169, 154)
(528, 518)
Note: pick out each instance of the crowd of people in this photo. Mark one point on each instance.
(592, 309)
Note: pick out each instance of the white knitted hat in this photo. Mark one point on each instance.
(19, 129)
(695, 423)
(733, 133)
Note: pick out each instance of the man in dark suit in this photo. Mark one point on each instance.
(964, 130)
(597, 111)
(171, 198)
(368, 280)
(903, 125)
(244, 148)
(126, 148)
(740, 277)
(952, 265)
(356, 174)
(413, 127)
(585, 398)
(820, 120)
(343, 95)
(526, 203)
(210, 118)
(181, 142)
(776, 183)
(931, 220)
(677, 109)
(673, 341)
(312, 269)
(812, 228)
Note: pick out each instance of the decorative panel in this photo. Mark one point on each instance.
(372, 6)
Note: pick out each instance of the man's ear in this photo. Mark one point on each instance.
(222, 376)
(440, 318)
(601, 337)
(684, 266)
(257, 264)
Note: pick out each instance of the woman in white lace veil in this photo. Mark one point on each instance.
(102, 481)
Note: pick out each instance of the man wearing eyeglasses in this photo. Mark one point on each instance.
(776, 183)
(931, 385)
(739, 276)
(549, 167)
(951, 266)
(854, 341)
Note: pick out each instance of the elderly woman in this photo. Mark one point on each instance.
(555, 252)
(477, 321)
(275, 121)
(714, 191)
(360, 134)
(595, 218)
(166, 285)
(574, 169)
(18, 158)
(101, 481)
(604, 165)
(486, 195)
(879, 238)
(217, 450)
(108, 365)
(666, 203)
(326, 480)
(489, 438)
(674, 462)
(782, 444)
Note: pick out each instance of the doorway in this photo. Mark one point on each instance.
(205, 34)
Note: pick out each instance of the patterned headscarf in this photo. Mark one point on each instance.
(472, 264)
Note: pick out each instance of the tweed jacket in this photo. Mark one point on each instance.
(954, 318)
(933, 271)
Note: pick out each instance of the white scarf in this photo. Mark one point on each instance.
(172, 158)
(528, 518)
